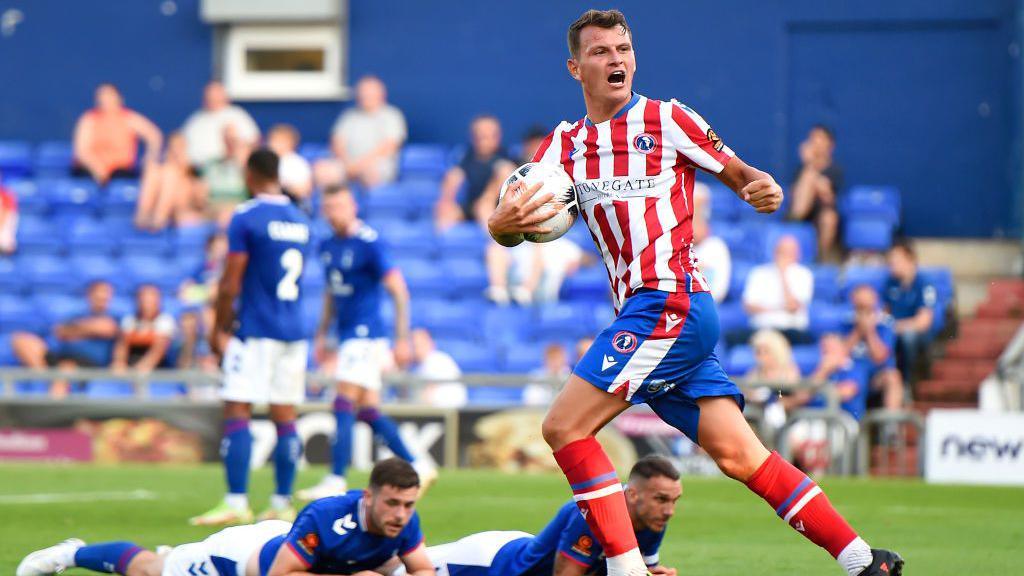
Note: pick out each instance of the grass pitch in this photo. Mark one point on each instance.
(719, 528)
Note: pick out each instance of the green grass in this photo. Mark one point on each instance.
(719, 528)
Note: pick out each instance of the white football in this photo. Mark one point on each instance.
(555, 181)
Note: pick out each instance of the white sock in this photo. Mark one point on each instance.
(237, 501)
(279, 502)
(630, 563)
(334, 478)
(855, 557)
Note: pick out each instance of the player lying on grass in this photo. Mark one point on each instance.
(566, 546)
(352, 534)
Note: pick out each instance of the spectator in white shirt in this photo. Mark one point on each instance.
(294, 172)
(204, 129)
(713, 256)
(146, 335)
(778, 294)
(365, 139)
(444, 390)
(554, 372)
(531, 272)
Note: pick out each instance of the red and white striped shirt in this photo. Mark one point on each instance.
(634, 178)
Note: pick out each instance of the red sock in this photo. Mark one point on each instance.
(799, 501)
(598, 493)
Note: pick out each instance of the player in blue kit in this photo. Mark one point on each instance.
(358, 271)
(264, 348)
(363, 530)
(566, 546)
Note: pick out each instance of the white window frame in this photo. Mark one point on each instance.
(243, 84)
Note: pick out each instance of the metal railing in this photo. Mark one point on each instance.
(1009, 373)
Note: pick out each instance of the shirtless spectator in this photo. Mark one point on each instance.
(107, 138)
(8, 220)
(817, 184)
(171, 191)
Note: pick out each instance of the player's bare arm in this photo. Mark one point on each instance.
(396, 287)
(520, 213)
(753, 186)
(224, 308)
(417, 563)
(288, 563)
(326, 317)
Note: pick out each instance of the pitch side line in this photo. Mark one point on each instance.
(67, 497)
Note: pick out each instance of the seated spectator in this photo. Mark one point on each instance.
(816, 186)
(443, 389)
(197, 293)
(872, 342)
(294, 171)
(837, 373)
(582, 345)
(146, 335)
(225, 178)
(712, 252)
(773, 367)
(85, 341)
(478, 177)
(171, 191)
(204, 129)
(531, 272)
(365, 140)
(553, 373)
(910, 300)
(532, 139)
(777, 294)
(8, 221)
(107, 138)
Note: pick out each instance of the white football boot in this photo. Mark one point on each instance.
(331, 485)
(427, 473)
(53, 560)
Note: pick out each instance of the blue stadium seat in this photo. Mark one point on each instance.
(564, 319)
(31, 200)
(142, 243)
(53, 158)
(71, 196)
(15, 158)
(120, 199)
(732, 317)
(32, 388)
(806, 357)
(388, 201)
(738, 280)
(89, 237)
(123, 302)
(524, 357)
(39, 236)
(7, 357)
(152, 269)
(11, 281)
(423, 192)
(192, 239)
(739, 238)
(826, 282)
(58, 308)
(874, 276)
(724, 203)
(470, 356)
(587, 284)
(870, 233)
(425, 279)
(826, 317)
(423, 160)
(507, 324)
(495, 395)
(740, 360)
(881, 202)
(20, 314)
(804, 233)
(408, 239)
(167, 389)
(466, 239)
(451, 320)
(51, 275)
(466, 275)
(941, 278)
(109, 389)
(313, 151)
(92, 267)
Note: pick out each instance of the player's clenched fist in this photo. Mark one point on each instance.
(763, 194)
(520, 212)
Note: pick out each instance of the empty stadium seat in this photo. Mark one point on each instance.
(39, 236)
(57, 308)
(30, 199)
(50, 274)
(92, 267)
(724, 203)
(495, 395)
(10, 280)
(167, 389)
(18, 313)
(565, 320)
(423, 160)
(109, 389)
(388, 202)
(874, 276)
(120, 198)
(89, 237)
(804, 233)
(940, 278)
(425, 279)
(523, 357)
(589, 283)
(826, 317)
(470, 356)
(466, 275)
(806, 357)
(874, 201)
(740, 361)
(466, 239)
(143, 243)
(738, 281)
(732, 317)
(71, 196)
(506, 324)
(869, 233)
(15, 158)
(826, 282)
(53, 158)
(151, 269)
(7, 357)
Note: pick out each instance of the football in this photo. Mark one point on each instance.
(556, 181)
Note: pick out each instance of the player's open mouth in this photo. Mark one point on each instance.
(617, 78)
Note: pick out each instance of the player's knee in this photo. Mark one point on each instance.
(558, 432)
(736, 462)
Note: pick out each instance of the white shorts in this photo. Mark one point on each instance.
(265, 371)
(232, 546)
(361, 361)
(473, 550)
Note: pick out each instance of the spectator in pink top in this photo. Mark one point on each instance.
(8, 221)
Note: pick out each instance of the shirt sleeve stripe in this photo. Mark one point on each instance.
(299, 555)
(574, 559)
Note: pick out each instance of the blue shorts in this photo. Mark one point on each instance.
(660, 350)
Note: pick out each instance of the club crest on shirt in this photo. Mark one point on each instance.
(624, 342)
(583, 545)
(715, 140)
(645, 143)
(309, 542)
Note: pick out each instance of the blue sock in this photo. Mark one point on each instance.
(286, 457)
(341, 448)
(109, 557)
(236, 451)
(385, 428)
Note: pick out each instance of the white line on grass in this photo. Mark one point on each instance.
(65, 497)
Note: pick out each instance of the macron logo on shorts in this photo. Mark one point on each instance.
(607, 362)
(671, 321)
